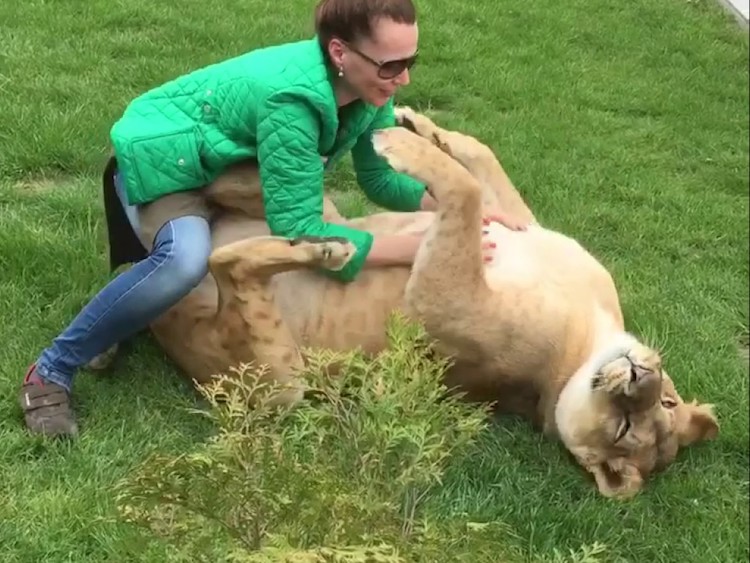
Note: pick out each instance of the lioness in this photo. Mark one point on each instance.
(539, 330)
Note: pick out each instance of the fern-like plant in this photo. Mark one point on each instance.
(342, 476)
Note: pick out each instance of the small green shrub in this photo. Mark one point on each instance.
(343, 476)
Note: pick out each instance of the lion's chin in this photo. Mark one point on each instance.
(620, 483)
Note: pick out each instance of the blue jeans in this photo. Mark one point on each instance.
(136, 297)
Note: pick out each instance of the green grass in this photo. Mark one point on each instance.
(624, 124)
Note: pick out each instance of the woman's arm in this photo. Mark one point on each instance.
(381, 184)
(291, 176)
(393, 250)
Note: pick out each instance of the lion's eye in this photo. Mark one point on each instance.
(668, 403)
(623, 429)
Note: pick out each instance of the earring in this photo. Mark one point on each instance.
(341, 71)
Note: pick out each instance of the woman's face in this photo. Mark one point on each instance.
(375, 67)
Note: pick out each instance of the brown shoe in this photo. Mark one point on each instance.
(46, 406)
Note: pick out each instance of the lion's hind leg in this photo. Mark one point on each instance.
(249, 324)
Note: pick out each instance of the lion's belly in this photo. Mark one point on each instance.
(324, 313)
(538, 256)
(548, 287)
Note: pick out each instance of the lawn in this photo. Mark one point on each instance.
(624, 124)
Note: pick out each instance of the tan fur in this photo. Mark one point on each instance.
(539, 331)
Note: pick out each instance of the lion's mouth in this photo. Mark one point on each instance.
(622, 482)
(613, 478)
(633, 373)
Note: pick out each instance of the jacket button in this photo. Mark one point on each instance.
(181, 162)
(207, 108)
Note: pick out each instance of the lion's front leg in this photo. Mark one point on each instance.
(447, 283)
(498, 192)
(249, 324)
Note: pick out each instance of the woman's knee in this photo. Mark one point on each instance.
(183, 246)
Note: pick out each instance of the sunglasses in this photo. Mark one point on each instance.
(387, 69)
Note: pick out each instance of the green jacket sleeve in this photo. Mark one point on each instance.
(291, 176)
(381, 184)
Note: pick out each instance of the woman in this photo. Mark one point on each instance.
(290, 107)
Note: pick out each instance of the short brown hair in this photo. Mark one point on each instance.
(350, 20)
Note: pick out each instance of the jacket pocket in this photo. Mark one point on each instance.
(167, 162)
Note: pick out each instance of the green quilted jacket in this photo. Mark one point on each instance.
(275, 104)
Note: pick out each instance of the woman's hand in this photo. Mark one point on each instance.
(488, 248)
(428, 202)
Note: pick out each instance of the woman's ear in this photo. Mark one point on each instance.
(336, 52)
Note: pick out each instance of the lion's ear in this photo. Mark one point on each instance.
(701, 424)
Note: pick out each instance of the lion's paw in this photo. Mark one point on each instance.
(331, 253)
(394, 145)
(404, 116)
(416, 122)
(401, 148)
(104, 360)
(423, 126)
